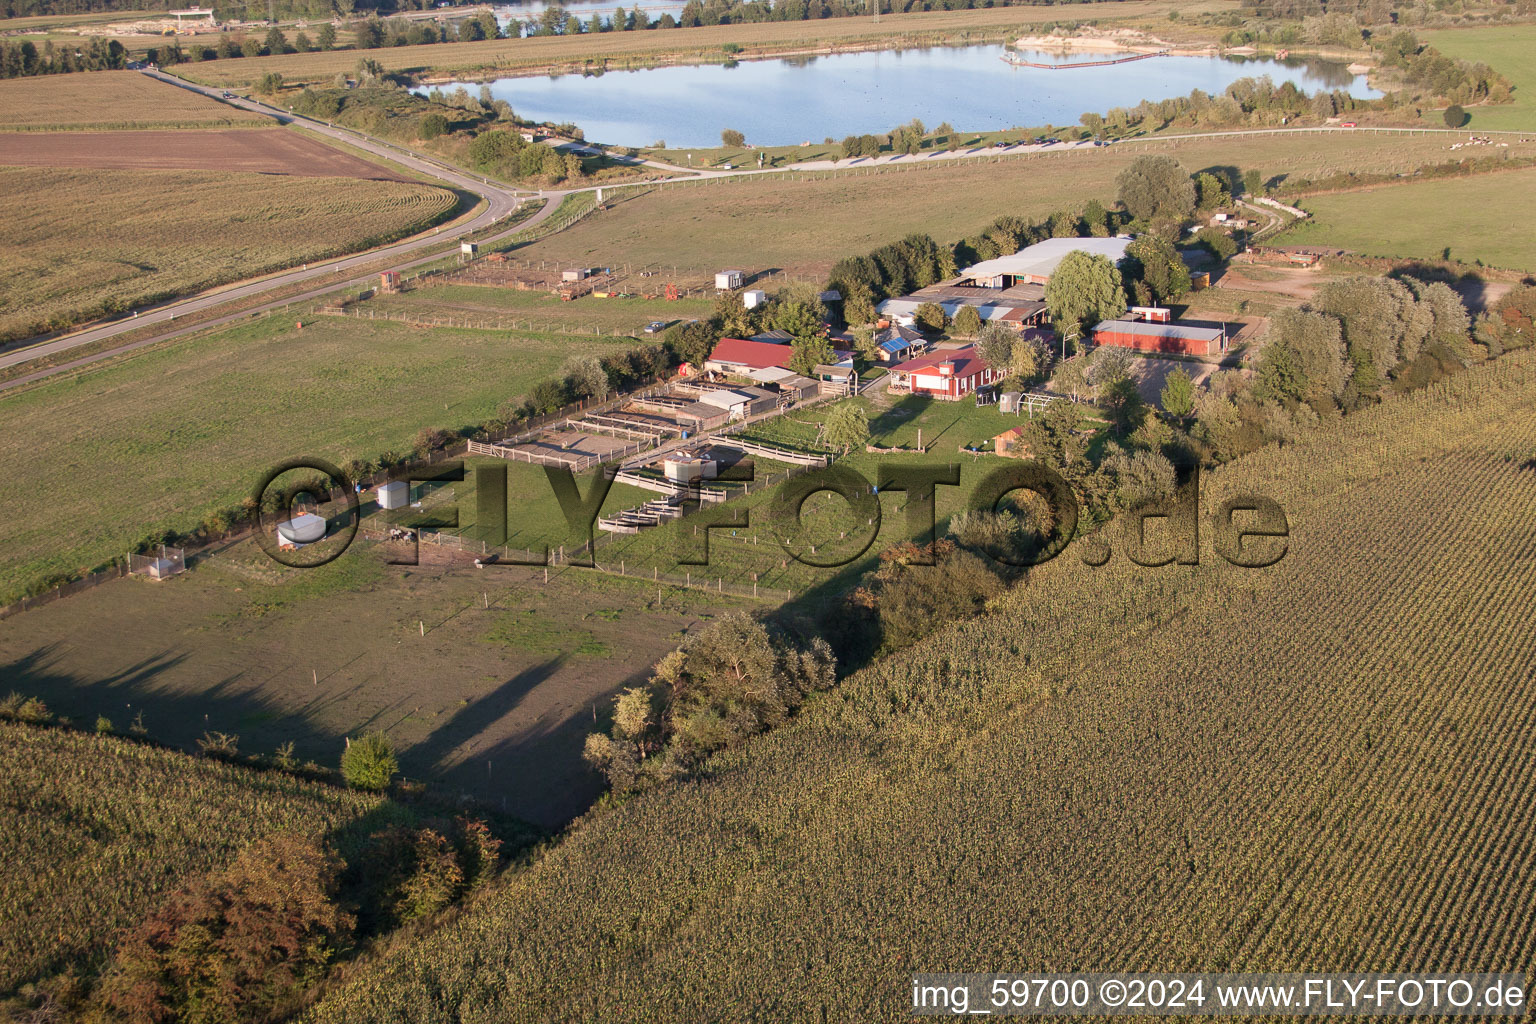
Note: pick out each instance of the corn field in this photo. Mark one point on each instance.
(1322, 765)
(97, 828)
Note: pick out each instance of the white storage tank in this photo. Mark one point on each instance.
(300, 530)
(395, 494)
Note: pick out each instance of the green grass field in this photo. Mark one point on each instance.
(1187, 768)
(103, 458)
(808, 221)
(1507, 49)
(587, 313)
(83, 243)
(1474, 219)
(111, 101)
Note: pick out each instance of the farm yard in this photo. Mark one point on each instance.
(253, 151)
(1326, 761)
(748, 558)
(158, 440)
(806, 222)
(111, 101)
(83, 243)
(1470, 221)
(487, 680)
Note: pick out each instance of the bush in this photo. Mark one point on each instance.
(930, 316)
(239, 946)
(369, 762)
(1455, 116)
(733, 138)
(968, 322)
(433, 126)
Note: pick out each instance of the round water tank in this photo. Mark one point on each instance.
(303, 529)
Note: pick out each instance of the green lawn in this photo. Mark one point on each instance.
(1475, 218)
(1507, 49)
(99, 460)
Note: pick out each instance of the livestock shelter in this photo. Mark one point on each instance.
(740, 356)
(168, 563)
(836, 378)
(1181, 339)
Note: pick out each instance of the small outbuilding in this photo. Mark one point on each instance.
(394, 494)
(753, 297)
(729, 280)
(302, 529)
(1010, 401)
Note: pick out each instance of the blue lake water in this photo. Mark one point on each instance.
(785, 101)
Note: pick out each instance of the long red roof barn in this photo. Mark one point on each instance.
(736, 355)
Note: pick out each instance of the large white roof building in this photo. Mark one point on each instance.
(1035, 264)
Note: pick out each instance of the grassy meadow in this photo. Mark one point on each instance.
(111, 101)
(1468, 218)
(107, 456)
(1186, 768)
(809, 220)
(98, 829)
(1507, 49)
(83, 243)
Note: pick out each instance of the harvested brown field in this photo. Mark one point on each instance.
(259, 151)
(82, 243)
(111, 101)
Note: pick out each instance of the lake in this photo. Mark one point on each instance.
(785, 101)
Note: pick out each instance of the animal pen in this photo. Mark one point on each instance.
(169, 562)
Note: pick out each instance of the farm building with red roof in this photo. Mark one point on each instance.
(948, 373)
(739, 356)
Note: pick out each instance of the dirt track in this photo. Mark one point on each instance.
(260, 150)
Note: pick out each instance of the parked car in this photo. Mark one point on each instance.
(655, 327)
(229, 95)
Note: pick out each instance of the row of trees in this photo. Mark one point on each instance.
(18, 60)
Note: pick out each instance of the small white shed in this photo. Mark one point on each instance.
(395, 494)
(753, 297)
(729, 280)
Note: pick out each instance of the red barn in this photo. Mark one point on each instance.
(1142, 336)
(739, 356)
(947, 373)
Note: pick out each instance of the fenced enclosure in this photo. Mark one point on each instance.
(167, 563)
